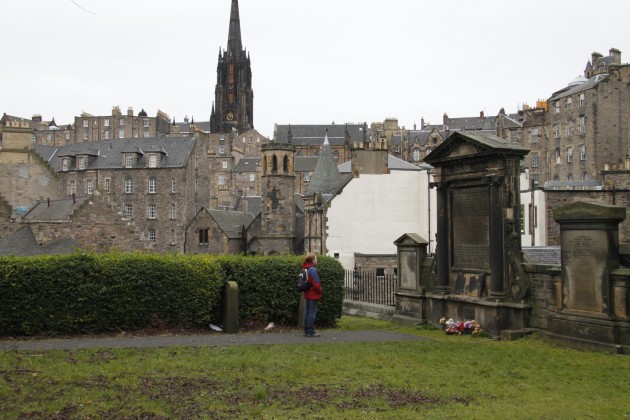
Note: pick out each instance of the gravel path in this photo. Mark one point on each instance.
(214, 339)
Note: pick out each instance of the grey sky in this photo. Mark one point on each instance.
(312, 61)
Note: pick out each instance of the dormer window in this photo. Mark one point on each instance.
(129, 161)
(153, 160)
(65, 164)
(81, 162)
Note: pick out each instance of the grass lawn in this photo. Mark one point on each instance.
(443, 377)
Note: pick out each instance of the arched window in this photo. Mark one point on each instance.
(264, 165)
(274, 164)
(416, 155)
(285, 164)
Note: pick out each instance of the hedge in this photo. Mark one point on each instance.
(94, 293)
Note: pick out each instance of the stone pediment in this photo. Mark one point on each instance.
(461, 145)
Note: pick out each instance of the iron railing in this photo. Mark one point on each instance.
(366, 286)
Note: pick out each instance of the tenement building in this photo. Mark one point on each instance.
(584, 129)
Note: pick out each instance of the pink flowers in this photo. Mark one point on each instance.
(460, 327)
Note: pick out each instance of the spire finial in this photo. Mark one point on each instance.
(234, 37)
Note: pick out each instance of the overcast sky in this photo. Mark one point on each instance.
(313, 62)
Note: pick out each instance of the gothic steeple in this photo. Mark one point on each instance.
(234, 37)
(234, 97)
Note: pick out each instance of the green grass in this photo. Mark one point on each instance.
(442, 377)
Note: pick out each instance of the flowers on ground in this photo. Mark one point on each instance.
(460, 327)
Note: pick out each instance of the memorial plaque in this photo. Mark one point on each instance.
(469, 222)
(408, 269)
(584, 256)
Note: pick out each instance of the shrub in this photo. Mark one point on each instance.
(95, 293)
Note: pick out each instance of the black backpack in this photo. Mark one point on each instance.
(302, 281)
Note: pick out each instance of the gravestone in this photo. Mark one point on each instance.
(412, 273)
(592, 305)
(479, 273)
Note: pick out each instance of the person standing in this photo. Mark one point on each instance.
(311, 296)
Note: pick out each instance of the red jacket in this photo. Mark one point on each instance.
(315, 292)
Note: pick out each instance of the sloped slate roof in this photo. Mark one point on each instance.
(59, 209)
(572, 90)
(544, 255)
(326, 177)
(247, 165)
(108, 153)
(305, 163)
(22, 243)
(393, 163)
(231, 222)
(307, 135)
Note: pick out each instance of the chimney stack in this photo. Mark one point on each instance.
(616, 54)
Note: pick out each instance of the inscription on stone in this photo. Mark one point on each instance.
(469, 222)
(584, 255)
(407, 268)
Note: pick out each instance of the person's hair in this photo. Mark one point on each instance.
(309, 259)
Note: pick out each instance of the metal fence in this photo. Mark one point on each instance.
(366, 286)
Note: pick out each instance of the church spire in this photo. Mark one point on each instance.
(234, 37)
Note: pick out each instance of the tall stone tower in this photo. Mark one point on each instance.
(233, 106)
(278, 221)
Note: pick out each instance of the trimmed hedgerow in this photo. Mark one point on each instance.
(106, 292)
(95, 293)
(267, 287)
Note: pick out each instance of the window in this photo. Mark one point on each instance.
(221, 149)
(151, 236)
(221, 137)
(128, 161)
(203, 236)
(557, 156)
(416, 155)
(153, 158)
(534, 159)
(557, 105)
(89, 186)
(128, 186)
(556, 129)
(534, 135)
(67, 135)
(108, 185)
(173, 186)
(221, 180)
(85, 124)
(128, 210)
(307, 177)
(81, 162)
(146, 134)
(582, 99)
(252, 177)
(71, 187)
(145, 122)
(121, 122)
(535, 180)
(152, 186)
(514, 136)
(582, 128)
(522, 217)
(569, 128)
(65, 164)
(239, 192)
(85, 134)
(224, 164)
(49, 136)
(570, 154)
(172, 236)
(582, 152)
(173, 211)
(106, 134)
(106, 122)
(569, 103)
(121, 133)
(151, 211)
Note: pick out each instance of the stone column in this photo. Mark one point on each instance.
(497, 251)
(442, 239)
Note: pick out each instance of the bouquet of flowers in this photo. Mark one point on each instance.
(460, 327)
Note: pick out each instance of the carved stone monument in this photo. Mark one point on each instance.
(592, 299)
(479, 273)
(413, 268)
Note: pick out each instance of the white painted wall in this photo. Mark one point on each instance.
(374, 210)
(539, 217)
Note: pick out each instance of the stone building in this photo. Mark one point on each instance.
(120, 126)
(156, 184)
(585, 129)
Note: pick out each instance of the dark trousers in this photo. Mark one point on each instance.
(310, 310)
